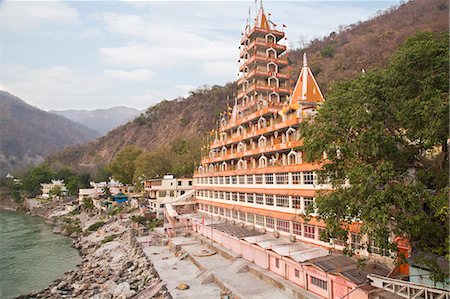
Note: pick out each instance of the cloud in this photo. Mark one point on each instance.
(153, 44)
(220, 69)
(18, 16)
(141, 75)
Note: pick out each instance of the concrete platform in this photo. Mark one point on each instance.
(208, 276)
(174, 271)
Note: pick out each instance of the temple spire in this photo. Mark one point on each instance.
(305, 60)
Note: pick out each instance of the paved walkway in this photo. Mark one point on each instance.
(227, 273)
(174, 271)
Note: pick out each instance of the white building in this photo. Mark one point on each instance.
(98, 190)
(54, 185)
(166, 190)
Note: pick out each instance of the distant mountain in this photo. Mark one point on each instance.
(339, 56)
(100, 120)
(28, 135)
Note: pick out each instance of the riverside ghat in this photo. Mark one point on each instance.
(112, 264)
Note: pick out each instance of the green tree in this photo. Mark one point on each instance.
(31, 183)
(55, 191)
(386, 134)
(123, 166)
(88, 204)
(72, 184)
(153, 164)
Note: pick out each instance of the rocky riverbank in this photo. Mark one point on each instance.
(113, 264)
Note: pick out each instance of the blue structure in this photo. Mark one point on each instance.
(120, 198)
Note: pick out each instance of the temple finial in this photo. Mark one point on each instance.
(305, 60)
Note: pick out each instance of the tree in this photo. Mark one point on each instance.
(386, 134)
(55, 191)
(72, 185)
(31, 182)
(153, 164)
(123, 166)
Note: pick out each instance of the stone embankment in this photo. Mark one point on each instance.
(113, 264)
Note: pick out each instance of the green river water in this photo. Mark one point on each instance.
(31, 256)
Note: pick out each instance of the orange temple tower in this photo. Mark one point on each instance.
(253, 171)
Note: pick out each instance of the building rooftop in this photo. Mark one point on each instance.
(236, 230)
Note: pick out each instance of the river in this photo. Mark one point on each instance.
(31, 256)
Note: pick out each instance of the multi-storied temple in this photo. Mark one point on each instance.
(253, 186)
(254, 172)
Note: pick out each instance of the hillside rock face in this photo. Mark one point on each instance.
(100, 120)
(340, 56)
(28, 135)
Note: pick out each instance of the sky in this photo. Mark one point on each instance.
(59, 55)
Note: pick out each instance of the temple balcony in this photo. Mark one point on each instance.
(270, 108)
(261, 42)
(264, 87)
(262, 72)
(256, 31)
(236, 138)
(267, 149)
(278, 168)
(282, 61)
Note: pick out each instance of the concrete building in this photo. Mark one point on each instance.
(54, 185)
(166, 190)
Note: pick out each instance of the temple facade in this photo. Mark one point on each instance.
(253, 170)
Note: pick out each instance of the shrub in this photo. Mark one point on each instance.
(70, 229)
(108, 239)
(95, 226)
(88, 204)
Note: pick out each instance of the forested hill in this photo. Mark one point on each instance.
(339, 56)
(28, 134)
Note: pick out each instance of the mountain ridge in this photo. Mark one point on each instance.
(339, 56)
(100, 120)
(28, 135)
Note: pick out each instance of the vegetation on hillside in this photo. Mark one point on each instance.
(29, 184)
(385, 133)
(341, 55)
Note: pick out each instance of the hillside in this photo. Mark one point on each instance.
(100, 120)
(339, 56)
(28, 135)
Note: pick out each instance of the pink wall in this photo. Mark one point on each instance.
(312, 272)
(261, 257)
(337, 286)
(247, 251)
(273, 258)
(235, 245)
(290, 273)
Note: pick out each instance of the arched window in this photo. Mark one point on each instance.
(224, 151)
(240, 130)
(262, 122)
(291, 134)
(244, 100)
(274, 97)
(271, 53)
(270, 38)
(211, 168)
(224, 166)
(272, 67)
(240, 147)
(292, 158)
(200, 169)
(273, 82)
(262, 141)
(262, 161)
(241, 165)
